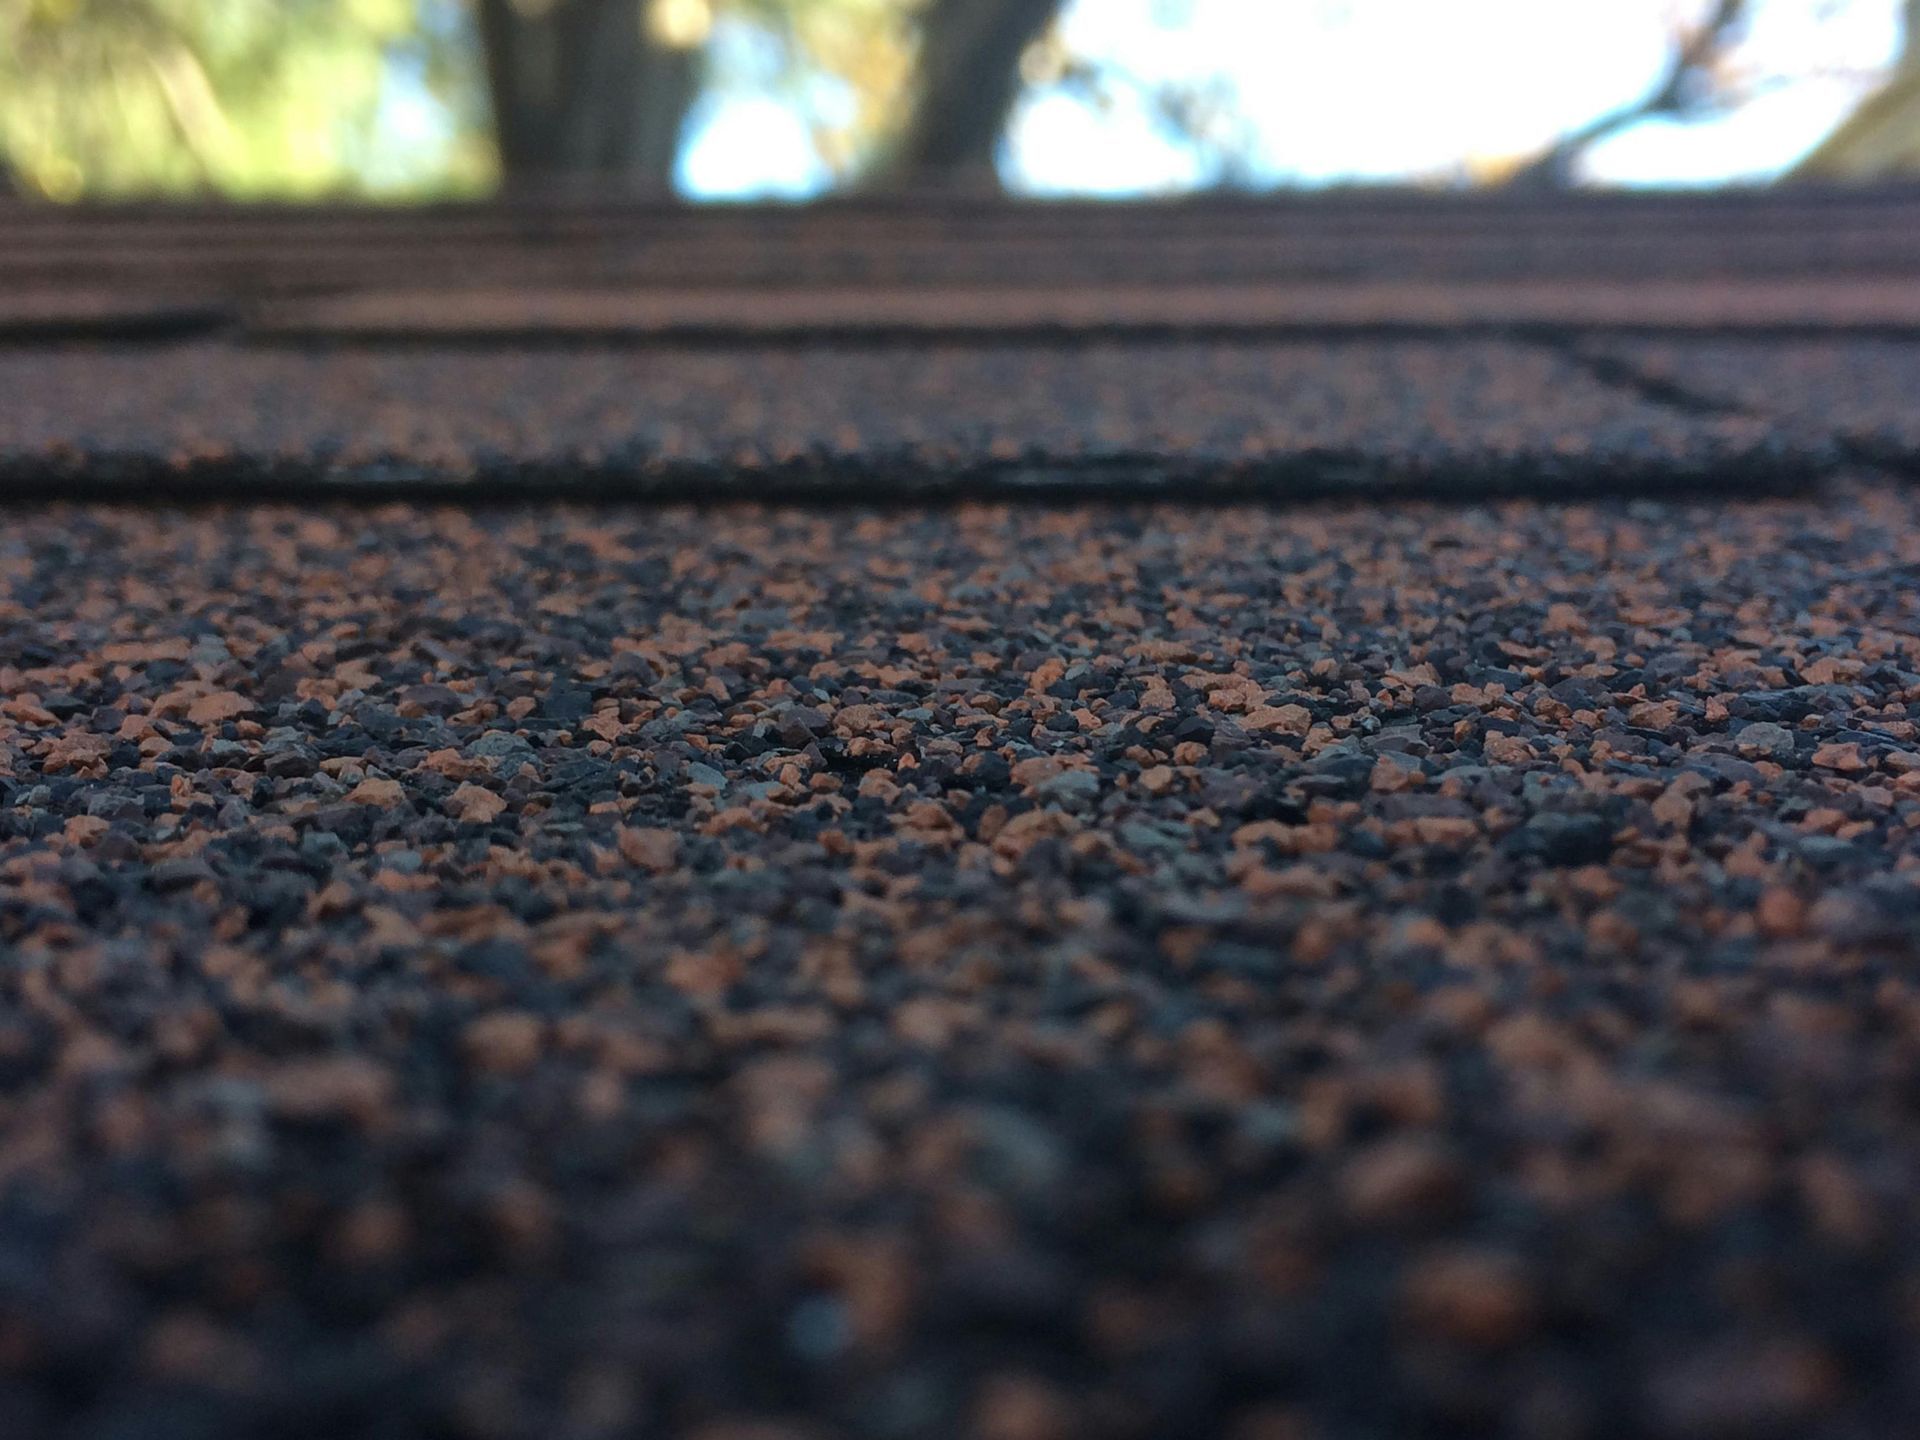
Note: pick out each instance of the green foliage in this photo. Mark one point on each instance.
(308, 98)
(245, 97)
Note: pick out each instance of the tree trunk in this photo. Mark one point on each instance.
(1881, 139)
(583, 91)
(968, 79)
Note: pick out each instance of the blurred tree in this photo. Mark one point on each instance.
(967, 77)
(1688, 86)
(243, 96)
(309, 97)
(592, 89)
(1205, 116)
(896, 93)
(1881, 138)
(844, 66)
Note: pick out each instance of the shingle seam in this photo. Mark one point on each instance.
(886, 481)
(1850, 449)
(1620, 373)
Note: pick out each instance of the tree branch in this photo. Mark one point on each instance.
(1672, 96)
(193, 107)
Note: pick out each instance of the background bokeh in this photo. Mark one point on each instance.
(797, 98)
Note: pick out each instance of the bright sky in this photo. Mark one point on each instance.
(1381, 90)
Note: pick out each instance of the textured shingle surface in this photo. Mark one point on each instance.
(903, 418)
(1860, 394)
(1282, 347)
(1151, 968)
(1019, 970)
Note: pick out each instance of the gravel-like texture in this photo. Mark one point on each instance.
(1019, 973)
(1857, 394)
(1276, 417)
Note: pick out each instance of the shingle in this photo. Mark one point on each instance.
(1281, 416)
(1849, 392)
(1326, 239)
(1359, 970)
(1385, 967)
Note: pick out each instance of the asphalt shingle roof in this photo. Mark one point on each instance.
(903, 418)
(1422, 944)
